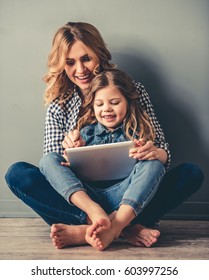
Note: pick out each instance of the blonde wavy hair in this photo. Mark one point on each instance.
(58, 83)
(136, 123)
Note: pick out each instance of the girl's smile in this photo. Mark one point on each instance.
(110, 107)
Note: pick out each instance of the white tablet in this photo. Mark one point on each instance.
(102, 162)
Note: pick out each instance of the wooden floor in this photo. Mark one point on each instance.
(26, 238)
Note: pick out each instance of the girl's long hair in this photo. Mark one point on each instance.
(58, 83)
(137, 123)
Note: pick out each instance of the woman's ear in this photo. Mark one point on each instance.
(97, 70)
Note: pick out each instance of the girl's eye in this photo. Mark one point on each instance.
(98, 104)
(115, 103)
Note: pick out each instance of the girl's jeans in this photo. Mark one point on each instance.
(136, 190)
(30, 185)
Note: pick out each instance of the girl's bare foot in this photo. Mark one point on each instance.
(101, 240)
(98, 220)
(93, 231)
(66, 235)
(98, 226)
(139, 235)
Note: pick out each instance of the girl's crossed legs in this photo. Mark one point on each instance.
(128, 197)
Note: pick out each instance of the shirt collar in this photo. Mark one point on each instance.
(100, 129)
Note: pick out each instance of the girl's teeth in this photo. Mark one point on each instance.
(108, 117)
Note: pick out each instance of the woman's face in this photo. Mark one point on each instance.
(80, 65)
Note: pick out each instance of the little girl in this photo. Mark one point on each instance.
(111, 113)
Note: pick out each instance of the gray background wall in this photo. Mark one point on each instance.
(162, 43)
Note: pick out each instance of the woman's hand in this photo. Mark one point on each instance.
(147, 151)
(73, 139)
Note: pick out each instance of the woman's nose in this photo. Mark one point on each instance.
(80, 68)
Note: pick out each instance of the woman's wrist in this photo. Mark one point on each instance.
(163, 157)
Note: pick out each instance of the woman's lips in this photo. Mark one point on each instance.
(84, 79)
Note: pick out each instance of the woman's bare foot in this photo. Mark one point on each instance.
(139, 235)
(66, 235)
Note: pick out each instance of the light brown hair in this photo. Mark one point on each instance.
(136, 123)
(58, 84)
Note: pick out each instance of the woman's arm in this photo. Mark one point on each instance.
(148, 151)
(59, 120)
(54, 129)
(161, 146)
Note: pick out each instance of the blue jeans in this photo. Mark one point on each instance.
(30, 185)
(136, 190)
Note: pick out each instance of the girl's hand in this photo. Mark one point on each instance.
(65, 163)
(144, 150)
(73, 139)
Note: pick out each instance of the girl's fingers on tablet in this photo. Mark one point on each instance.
(65, 163)
(67, 143)
(74, 135)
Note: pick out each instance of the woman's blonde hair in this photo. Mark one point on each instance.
(136, 122)
(58, 83)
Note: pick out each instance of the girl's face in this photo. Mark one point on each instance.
(80, 64)
(110, 107)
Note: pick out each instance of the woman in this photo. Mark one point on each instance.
(78, 53)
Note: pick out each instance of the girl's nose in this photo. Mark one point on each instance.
(107, 108)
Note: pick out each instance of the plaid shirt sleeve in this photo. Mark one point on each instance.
(54, 129)
(60, 119)
(148, 107)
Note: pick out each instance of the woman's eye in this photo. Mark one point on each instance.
(70, 63)
(86, 58)
(114, 103)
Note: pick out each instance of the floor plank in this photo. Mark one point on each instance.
(28, 238)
